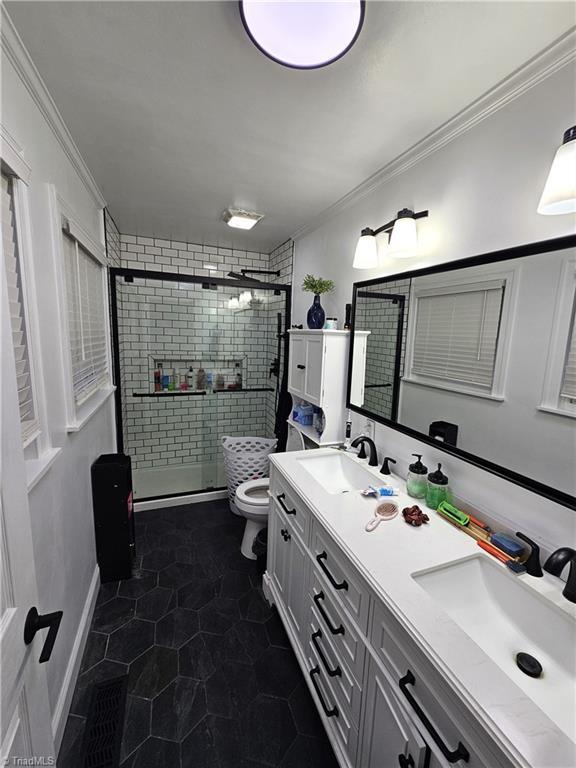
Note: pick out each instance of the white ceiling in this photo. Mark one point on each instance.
(178, 115)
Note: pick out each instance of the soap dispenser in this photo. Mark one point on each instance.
(437, 489)
(416, 478)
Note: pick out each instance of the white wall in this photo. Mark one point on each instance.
(481, 189)
(60, 503)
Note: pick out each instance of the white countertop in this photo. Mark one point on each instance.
(387, 557)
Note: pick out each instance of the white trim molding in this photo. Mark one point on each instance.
(13, 155)
(66, 692)
(16, 53)
(553, 58)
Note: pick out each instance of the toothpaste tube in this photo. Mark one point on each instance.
(385, 491)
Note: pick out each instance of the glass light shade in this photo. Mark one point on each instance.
(234, 304)
(366, 255)
(559, 195)
(304, 34)
(404, 238)
(382, 246)
(245, 298)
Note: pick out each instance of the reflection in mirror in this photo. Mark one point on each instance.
(482, 358)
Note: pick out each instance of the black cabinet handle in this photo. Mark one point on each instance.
(35, 622)
(336, 672)
(336, 584)
(406, 762)
(334, 630)
(460, 753)
(285, 535)
(281, 497)
(301, 367)
(328, 712)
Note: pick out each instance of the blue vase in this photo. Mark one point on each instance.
(316, 315)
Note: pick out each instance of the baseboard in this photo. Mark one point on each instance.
(67, 691)
(178, 501)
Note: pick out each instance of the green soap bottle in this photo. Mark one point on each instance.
(437, 489)
(416, 478)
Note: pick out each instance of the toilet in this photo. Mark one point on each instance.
(251, 501)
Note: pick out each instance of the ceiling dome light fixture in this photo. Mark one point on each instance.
(239, 219)
(373, 245)
(303, 34)
(559, 195)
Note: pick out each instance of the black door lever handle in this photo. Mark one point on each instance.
(35, 622)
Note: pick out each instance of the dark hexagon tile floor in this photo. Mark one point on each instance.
(212, 679)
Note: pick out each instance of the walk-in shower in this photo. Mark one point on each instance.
(195, 358)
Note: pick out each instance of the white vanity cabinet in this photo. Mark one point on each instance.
(381, 701)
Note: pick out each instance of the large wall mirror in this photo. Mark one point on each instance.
(479, 357)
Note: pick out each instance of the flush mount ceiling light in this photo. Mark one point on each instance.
(235, 217)
(559, 195)
(303, 34)
(373, 244)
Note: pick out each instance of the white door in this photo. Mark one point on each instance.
(390, 740)
(297, 366)
(25, 722)
(278, 553)
(314, 369)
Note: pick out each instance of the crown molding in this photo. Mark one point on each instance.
(553, 58)
(16, 53)
(13, 155)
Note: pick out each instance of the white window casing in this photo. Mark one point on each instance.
(27, 404)
(559, 391)
(457, 335)
(86, 318)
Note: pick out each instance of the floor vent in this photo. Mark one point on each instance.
(104, 723)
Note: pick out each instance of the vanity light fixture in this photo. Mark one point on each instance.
(559, 195)
(373, 245)
(303, 35)
(239, 219)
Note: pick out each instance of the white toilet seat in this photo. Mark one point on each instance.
(252, 496)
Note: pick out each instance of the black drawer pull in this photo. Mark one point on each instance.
(334, 630)
(301, 367)
(406, 762)
(285, 535)
(328, 712)
(460, 753)
(336, 584)
(281, 497)
(336, 672)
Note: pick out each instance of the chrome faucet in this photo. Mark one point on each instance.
(360, 441)
(556, 564)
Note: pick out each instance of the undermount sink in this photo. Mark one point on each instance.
(504, 617)
(337, 473)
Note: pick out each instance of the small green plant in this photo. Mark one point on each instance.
(317, 285)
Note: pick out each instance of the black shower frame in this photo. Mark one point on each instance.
(175, 277)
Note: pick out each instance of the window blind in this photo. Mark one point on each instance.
(568, 388)
(85, 305)
(28, 419)
(456, 334)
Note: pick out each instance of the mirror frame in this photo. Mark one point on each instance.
(517, 252)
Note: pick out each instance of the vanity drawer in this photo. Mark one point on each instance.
(337, 719)
(344, 636)
(339, 578)
(346, 689)
(441, 717)
(297, 514)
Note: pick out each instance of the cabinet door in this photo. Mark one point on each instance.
(278, 551)
(298, 567)
(389, 739)
(297, 365)
(314, 369)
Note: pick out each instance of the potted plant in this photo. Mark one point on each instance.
(316, 285)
